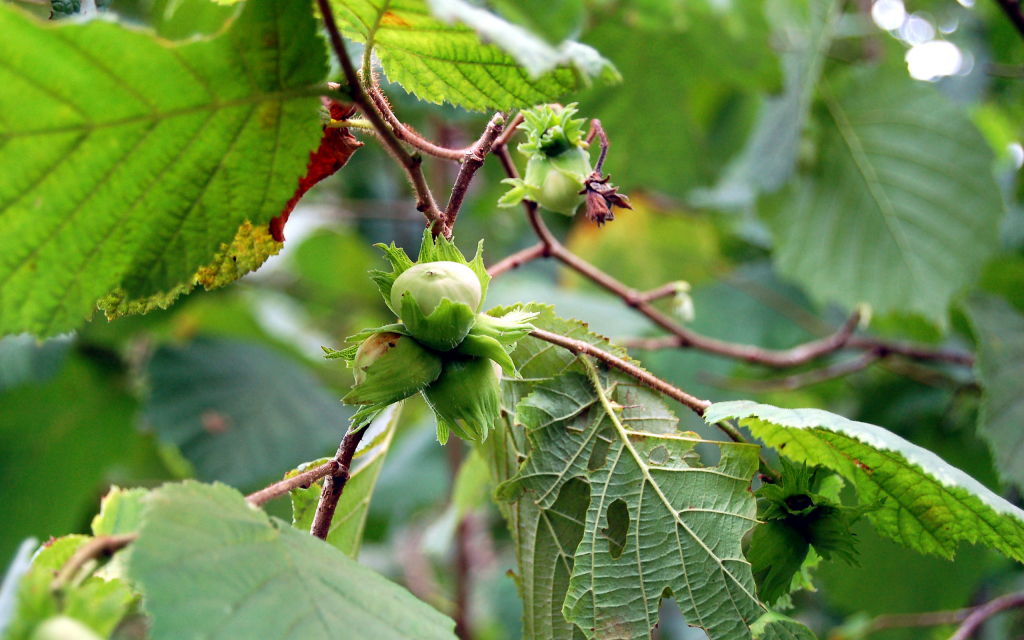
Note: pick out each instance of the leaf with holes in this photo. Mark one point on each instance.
(900, 210)
(209, 564)
(610, 489)
(440, 50)
(129, 171)
(924, 503)
(1000, 332)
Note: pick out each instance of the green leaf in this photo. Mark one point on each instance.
(120, 512)
(594, 482)
(900, 210)
(240, 412)
(131, 170)
(194, 535)
(96, 603)
(427, 47)
(926, 504)
(246, 253)
(769, 157)
(346, 532)
(682, 113)
(1000, 367)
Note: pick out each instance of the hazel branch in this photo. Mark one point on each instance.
(986, 611)
(685, 338)
(411, 163)
(406, 134)
(334, 484)
(808, 378)
(517, 259)
(303, 480)
(99, 546)
(473, 160)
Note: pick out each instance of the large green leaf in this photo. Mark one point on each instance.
(208, 564)
(1000, 333)
(346, 531)
(900, 210)
(240, 412)
(427, 47)
(925, 503)
(610, 489)
(770, 154)
(128, 160)
(688, 98)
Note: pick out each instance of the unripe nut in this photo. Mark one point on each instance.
(64, 628)
(389, 367)
(466, 396)
(430, 282)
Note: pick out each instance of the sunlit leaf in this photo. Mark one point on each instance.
(130, 169)
(925, 503)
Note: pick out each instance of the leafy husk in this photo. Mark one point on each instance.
(465, 398)
(400, 371)
(443, 329)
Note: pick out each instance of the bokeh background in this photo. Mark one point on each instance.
(231, 386)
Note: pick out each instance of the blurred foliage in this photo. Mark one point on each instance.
(722, 135)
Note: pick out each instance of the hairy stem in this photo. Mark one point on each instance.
(424, 199)
(334, 484)
(406, 134)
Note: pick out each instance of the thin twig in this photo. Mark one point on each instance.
(664, 291)
(914, 620)
(807, 378)
(688, 339)
(304, 480)
(406, 134)
(1013, 11)
(517, 259)
(596, 128)
(577, 347)
(334, 484)
(986, 611)
(99, 546)
(424, 199)
(474, 159)
(509, 131)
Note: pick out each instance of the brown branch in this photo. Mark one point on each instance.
(664, 291)
(303, 480)
(473, 160)
(424, 199)
(405, 133)
(807, 378)
(1013, 11)
(334, 484)
(99, 546)
(986, 611)
(597, 129)
(913, 620)
(685, 338)
(517, 259)
(577, 347)
(511, 130)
